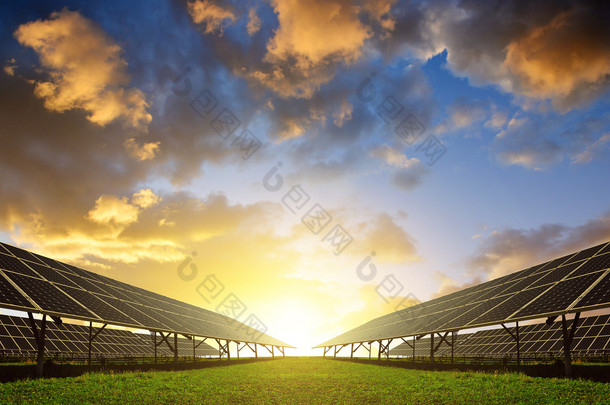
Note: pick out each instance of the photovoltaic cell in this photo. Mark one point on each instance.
(586, 253)
(594, 264)
(47, 296)
(15, 265)
(10, 296)
(99, 307)
(559, 297)
(599, 295)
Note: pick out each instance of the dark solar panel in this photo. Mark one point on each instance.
(20, 253)
(52, 275)
(556, 275)
(592, 265)
(504, 310)
(559, 297)
(15, 265)
(48, 297)
(10, 296)
(599, 295)
(586, 253)
(99, 307)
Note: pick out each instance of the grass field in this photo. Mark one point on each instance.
(304, 380)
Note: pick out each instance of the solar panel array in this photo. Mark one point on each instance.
(573, 283)
(71, 340)
(34, 283)
(592, 338)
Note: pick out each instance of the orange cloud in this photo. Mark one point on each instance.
(311, 38)
(145, 152)
(210, 14)
(86, 70)
(564, 60)
(254, 23)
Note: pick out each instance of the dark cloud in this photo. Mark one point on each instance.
(509, 250)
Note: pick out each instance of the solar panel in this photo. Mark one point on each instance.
(48, 297)
(10, 297)
(561, 285)
(55, 288)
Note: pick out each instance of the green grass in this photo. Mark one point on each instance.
(304, 380)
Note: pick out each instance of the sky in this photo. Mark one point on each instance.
(319, 162)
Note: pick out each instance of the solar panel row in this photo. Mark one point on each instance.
(572, 283)
(71, 340)
(34, 283)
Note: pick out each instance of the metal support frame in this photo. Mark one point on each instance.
(195, 346)
(173, 349)
(281, 350)
(268, 349)
(516, 337)
(411, 345)
(91, 337)
(337, 351)
(326, 350)
(568, 336)
(353, 350)
(246, 344)
(39, 336)
(223, 349)
(154, 336)
(384, 349)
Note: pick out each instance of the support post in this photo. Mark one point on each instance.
(91, 337)
(567, 342)
(379, 352)
(237, 350)
(175, 348)
(255, 351)
(351, 355)
(155, 344)
(273, 352)
(335, 355)
(518, 346)
(432, 347)
(194, 354)
(90, 342)
(39, 336)
(413, 358)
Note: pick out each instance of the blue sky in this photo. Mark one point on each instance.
(110, 162)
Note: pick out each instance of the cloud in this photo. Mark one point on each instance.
(210, 14)
(464, 113)
(145, 198)
(344, 113)
(521, 143)
(593, 150)
(111, 209)
(390, 241)
(86, 70)
(566, 60)
(508, 250)
(145, 152)
(10, 67)
(407, 172)
(311, 40)
(254, 22)
(556, 51)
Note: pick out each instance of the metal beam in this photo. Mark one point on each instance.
(91, 337)
(515, 336)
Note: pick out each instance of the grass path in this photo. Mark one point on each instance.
(304, 381)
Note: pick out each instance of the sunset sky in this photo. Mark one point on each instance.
(324, 161)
